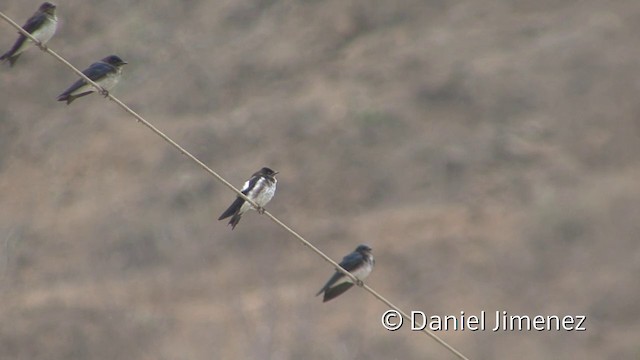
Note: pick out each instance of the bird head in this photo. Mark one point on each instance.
(114, 60)
(48, 8)
(267, 172)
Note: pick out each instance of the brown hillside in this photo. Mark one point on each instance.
(488, 151)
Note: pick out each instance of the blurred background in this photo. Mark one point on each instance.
(488, 151)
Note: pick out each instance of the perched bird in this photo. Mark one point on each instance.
(359, 263)
(42, 25)
(259, 188)
(106, 73)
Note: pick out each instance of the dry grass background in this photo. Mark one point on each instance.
(487, 150)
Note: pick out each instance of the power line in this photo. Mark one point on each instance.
(229, 185)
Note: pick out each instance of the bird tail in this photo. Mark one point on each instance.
(233, 209)
(336, 290)
(330, 283)
(66, 97)
(235, 220)
(9, 57)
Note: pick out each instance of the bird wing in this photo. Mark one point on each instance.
(237, 204)
(250, 185)
(34, 22)
(349, 263)
(231, 210)
(98, 70)
(94, 72)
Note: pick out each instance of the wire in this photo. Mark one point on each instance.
(229, 185)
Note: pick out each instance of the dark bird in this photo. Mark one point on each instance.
(359, 263)
(106, 73)
(259, 188)
(42, 25)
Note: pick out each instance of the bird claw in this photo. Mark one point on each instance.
(42, 46)
(104, 92)
(359, 282)
(260, 210)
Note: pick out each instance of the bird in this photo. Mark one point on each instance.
(260, 188)
(41, 25)
(106, 73)
(359, 263)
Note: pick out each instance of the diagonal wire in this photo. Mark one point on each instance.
(229, 185)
